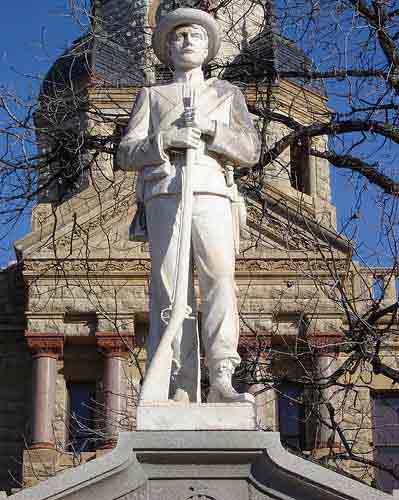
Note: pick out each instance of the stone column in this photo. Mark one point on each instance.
(115, 350)
(326, 364)
(46, 349)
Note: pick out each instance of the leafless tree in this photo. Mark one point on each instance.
(56, 146)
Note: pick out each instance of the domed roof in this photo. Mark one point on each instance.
(91, 60)
(71, 68)
(269, 56)
(114, 54)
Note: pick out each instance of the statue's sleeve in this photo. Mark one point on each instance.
(140, 147)
(238, 141)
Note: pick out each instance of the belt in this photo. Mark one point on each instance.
(177, 155)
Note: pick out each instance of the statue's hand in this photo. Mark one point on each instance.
(192, 118)
(181, 138)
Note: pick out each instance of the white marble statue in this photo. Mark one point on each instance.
(163, 128)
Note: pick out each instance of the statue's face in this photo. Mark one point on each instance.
(188, 47)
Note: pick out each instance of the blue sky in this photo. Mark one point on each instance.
(32, 34)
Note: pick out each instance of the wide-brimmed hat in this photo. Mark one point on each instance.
(182, 17)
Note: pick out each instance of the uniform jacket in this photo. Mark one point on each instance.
(158, 108)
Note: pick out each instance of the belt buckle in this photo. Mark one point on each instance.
(176, 153)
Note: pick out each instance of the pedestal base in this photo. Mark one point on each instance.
(196, 417)
(206, 465)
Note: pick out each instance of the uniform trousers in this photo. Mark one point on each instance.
(212, 251)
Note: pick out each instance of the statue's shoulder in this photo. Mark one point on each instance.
(162, 91)
(223, 86)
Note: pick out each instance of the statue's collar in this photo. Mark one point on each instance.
(207, 99)
(172, 92)
(193, 78)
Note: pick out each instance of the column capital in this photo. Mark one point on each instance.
(45, 344)
(114, 344)
(326, 343)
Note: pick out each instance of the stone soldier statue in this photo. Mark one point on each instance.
(158, 135)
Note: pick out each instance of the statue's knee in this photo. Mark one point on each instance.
(222, 280)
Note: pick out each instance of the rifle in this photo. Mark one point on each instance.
(157, 377)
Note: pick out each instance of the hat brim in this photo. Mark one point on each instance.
(182, 17)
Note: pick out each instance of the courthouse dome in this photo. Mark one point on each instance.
(115, 52)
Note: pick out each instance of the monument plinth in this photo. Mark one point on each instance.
(200, 465)
(196, 417)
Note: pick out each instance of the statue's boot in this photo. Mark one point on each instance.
(181, 396)
(222, 390)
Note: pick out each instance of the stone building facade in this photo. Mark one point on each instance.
(74, 307)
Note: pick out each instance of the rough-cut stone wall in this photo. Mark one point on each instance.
(15, 371)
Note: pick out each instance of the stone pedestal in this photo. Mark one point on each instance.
(38, 465)
(200, 465)
(214, 465)
(196, 417)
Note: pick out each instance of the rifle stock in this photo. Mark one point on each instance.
(157, 378)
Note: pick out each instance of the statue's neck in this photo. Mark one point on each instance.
(192, 76)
